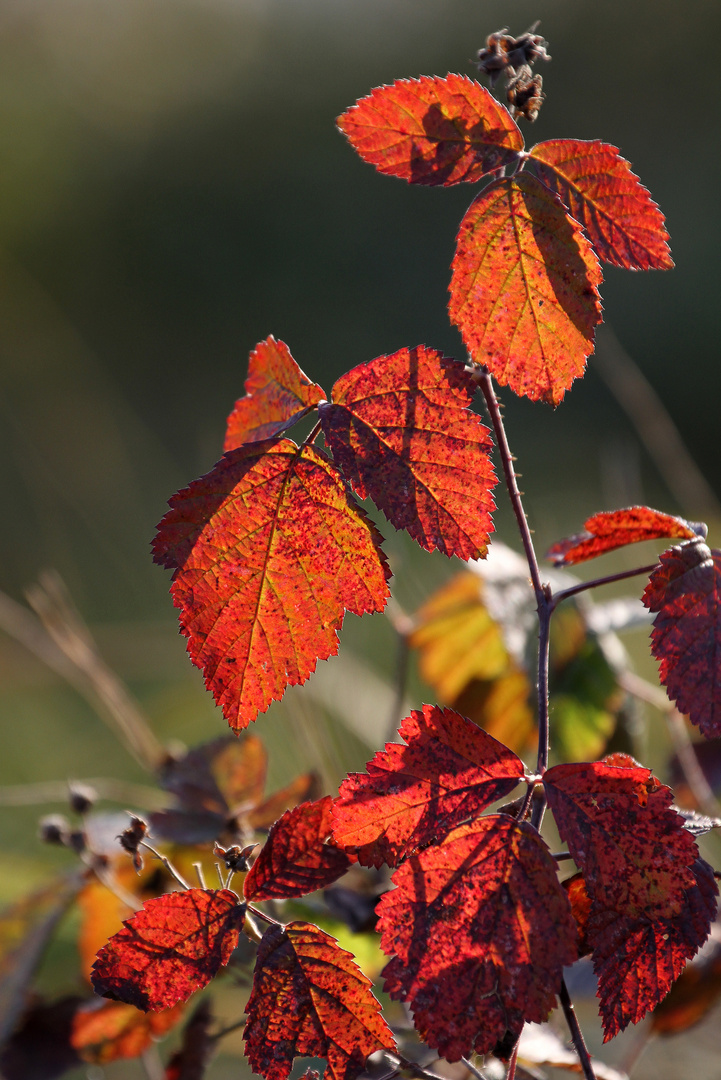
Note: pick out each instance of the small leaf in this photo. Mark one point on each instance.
(218, 775)
(614, 529)
(309, 999)
(621, 219)
(433, 130)
(634, 852)
(449, 771)
(481, 929)
(685, 592)
(524, 291)
(268, 550)
(277, 395)
(104, 1031)
(295, 859)
(401, 430)
(170, 949)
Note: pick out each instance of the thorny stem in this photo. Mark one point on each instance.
(313, 435)
(594, 584)
(263, 915)
(511, 1074)
(576, 1033)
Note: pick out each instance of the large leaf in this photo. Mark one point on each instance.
(449, 771)
(310, 999)
(613, 529)
(277, 394)
(685, 592)
(268, 550)
(621, 219)
(296, 859)
(433, 130)
(481, 929)
(524, 290)
(169, 949)
(634, 852)
(401, 430)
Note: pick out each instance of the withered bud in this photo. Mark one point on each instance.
(131, 837)
(82, 797)
(525, 95)
(54, 829)
(77, 841)
(235, 857)
(506, 53)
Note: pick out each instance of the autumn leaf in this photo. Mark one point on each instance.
(268, 550)
(26, 928)
(310, 999)
(169, 949)
(614, 529)
(634, 852)
(401, 430)
(277, 395)
(480, 929)
(432, 130)
(450, 770)
(692, 996)
(104, 1031)
(524, 290)
(597, 185)
(502, 707)
(296, 859)
(685, 593)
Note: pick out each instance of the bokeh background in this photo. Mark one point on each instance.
(172, 190)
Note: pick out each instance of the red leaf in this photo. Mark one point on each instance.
(295, 859)
(621, 219)
(277, 395)
(638, 958)
(401, 430)
(692, 996)
(481, 929)
(686, 594)
(616, 528)
(449, 771)
(268, 550)
(524, 291)
(433, 130)
(169, 949)
(310, 1000)
(634, 852)
(106, 1031)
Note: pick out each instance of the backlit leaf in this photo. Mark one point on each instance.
(685, 592)
(310, 999)
(481, 929)
(502, 707)
(432, 130)
(277, 395)
(524, 291)
(104, 1031)
(268, 550)
(616, 528)
(449, 771)
(296, 859)
(218, 775)
(621, 219)
(634, 852)
(401, 430)
(171, 948)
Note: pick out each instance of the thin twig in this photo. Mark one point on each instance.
(152, 1065)
(576, 1034)
(167, 864)
(237, 1026)
(511, 1074)
(472, 1069)
(596, 582)
(56, 791)
(399, 693)
(198, 867)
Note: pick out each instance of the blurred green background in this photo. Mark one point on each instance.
(172, 190)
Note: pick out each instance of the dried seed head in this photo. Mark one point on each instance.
(131, 838)
(235, 857)
(54, 829)
(82, 797)
(525, 95)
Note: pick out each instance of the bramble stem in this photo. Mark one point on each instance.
(166, 863)
(594, 584)
(511, 1074)
(576, 1034)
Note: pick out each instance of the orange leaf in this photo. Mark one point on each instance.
(432, 130)
(268, 551)
(481, 929)
(613, 529)
(310, 999)
(277, 395)
(296, 859)
(621, 219)
(105, 1031)
(685, 592)
(170, 949)
(524, 291)
(401, 430)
